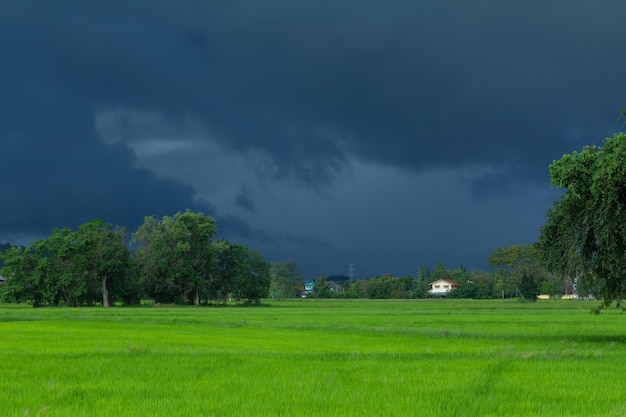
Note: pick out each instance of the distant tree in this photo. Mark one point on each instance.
(584, 236)
(439, 272)
(553, 287)
(421, 288)
(3, 248)
(321, 288)
(466, 289)
(222, 283)
(424, 273)
(286, 279)
(486, 285)
(241, 273)
(517, 268)
(253, 275)
(403, 288)
(358, 289)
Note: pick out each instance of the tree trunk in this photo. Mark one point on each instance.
(184, 295)
(105, 292)
(196, 298)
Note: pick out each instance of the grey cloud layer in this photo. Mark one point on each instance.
(313, 85)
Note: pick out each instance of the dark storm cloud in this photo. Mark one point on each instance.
(313, 85)
(420, 85)
(243, 199)
(60, 173)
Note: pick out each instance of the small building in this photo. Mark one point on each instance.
(308, 289)
(442, 286)
(2, 280)
(334, 286)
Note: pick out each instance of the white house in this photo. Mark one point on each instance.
(442, 286)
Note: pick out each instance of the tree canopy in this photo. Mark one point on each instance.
(175, 261)
(517, 270)
(584, 236)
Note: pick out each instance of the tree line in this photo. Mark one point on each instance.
(581, 248)
(173, 260)
(515, 271)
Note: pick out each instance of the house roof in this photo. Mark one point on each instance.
(449, 281)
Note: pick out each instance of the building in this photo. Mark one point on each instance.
(442, 286)
(308, 288)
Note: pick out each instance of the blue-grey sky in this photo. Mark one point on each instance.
(385, 134)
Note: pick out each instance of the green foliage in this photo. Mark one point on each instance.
(286, 279)
(552, 287)
(22, 284)
(176, 261)
(3, 248)
(70, 267)
(106, 262)
(241, 273)
(584, 236)
(518, 271)
(321, 288)
(176, 256)
(477, 285)
(253, 278)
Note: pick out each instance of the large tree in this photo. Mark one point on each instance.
(584, 236)
(175, 255)
(106, 259)
(47, 272)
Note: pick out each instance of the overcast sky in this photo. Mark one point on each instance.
(385, 134)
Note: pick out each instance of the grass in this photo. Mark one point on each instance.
(315, 358)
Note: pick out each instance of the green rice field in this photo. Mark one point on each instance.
(315, 358)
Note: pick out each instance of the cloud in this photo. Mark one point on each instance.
(312, 85)
(243, 200)
(119, 110)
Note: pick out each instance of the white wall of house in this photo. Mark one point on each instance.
(440, 287)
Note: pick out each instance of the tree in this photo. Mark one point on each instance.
(106, 259)
(21, 282)
(3, 248)
(517, 270)
(243, 273)
(60, 268)
(255, 278)
(584, 236)
(176, 255)
(46, 272)
(321, 288)
(286, 279)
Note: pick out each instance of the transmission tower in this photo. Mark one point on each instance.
(351, 271)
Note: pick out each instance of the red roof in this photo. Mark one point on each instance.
(449, 281)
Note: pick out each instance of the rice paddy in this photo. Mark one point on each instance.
(315, 358)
